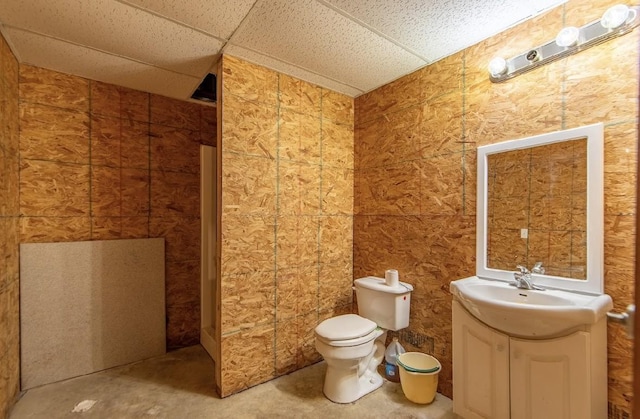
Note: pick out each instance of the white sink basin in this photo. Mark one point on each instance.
(529, 313)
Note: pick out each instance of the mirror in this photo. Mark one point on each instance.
(536, 208)
(540, 201)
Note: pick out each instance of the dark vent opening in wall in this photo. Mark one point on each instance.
(207, 89)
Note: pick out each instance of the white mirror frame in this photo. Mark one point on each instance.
(594, 283)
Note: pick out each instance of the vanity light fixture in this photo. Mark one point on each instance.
(616, 21)
(498, 67)
(615, 16)
(568, 37)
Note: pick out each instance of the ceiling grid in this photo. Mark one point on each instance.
(168, 47)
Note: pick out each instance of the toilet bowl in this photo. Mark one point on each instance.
(353, 345)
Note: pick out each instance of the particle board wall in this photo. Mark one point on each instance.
(286, 227)
(415, 168)
(9, 213)
(103, 307)
(101, 162)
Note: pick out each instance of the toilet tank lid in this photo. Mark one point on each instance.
(346, 326)
(379, 284)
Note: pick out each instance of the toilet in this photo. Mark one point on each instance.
(352, 345)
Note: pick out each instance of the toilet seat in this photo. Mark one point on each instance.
(346, 330)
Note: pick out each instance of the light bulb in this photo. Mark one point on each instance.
(497, 66)
(615, 16)
(568, 36)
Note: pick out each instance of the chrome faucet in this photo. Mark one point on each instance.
(523, 278)
(538, 269)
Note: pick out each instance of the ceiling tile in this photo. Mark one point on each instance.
(350, 46)
(216, 17)
(96, 65)
(292, 70)
(439, 28)
(118, 29)
(316, 38)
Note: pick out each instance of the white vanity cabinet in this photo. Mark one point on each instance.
(480, 368)
(499, 377)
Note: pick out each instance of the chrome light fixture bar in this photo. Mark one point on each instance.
(616, 21)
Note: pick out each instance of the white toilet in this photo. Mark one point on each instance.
(352, 345)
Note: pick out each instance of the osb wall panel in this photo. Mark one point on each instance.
(100, 162)
(287, 220)
(415, 167)
(9, 243)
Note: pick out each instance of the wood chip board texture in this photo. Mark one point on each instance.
(415, 153)
(286, 223)
(9, 230)
(120, 164)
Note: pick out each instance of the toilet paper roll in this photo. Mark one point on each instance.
(391, 277)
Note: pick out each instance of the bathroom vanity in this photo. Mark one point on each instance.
(500, 376)
(535, 348)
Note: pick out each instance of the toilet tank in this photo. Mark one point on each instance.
(385, 305)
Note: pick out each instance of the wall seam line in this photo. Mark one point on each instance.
(275, 235)
(149, 169)
(90, 192)
(463, 123)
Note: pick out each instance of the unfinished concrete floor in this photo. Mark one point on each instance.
(180, 384)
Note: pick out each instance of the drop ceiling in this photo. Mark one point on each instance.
(167, 47)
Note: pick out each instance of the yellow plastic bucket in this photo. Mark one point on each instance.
(419, 376)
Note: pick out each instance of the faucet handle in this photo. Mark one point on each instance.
(523, 269)
(538, 268)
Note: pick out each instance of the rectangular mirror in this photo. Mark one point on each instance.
(540, 201)
(536, 208)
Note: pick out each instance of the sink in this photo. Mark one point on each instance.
(529, 313)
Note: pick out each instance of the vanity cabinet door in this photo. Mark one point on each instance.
(551, 378)
(480, 368)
